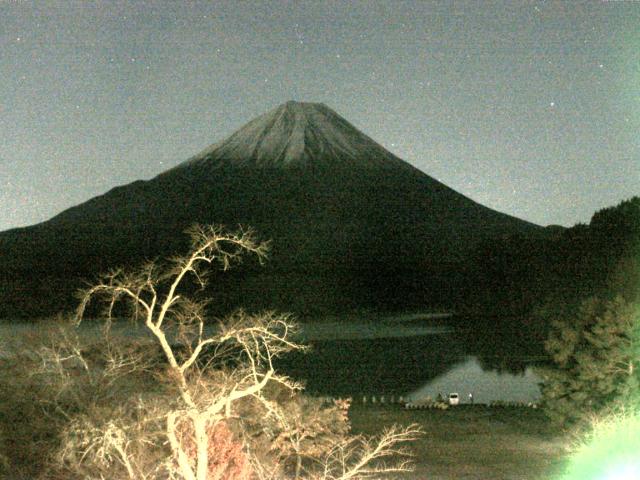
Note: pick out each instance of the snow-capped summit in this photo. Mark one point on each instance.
(297, 134)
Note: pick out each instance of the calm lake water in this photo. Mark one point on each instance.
(412, 355)
(417, 357)
(486, 386)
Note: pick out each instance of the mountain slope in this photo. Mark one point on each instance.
(352, 225)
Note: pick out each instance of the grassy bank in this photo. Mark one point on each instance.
(473, 442)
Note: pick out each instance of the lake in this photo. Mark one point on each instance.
(413, 356)
(418, 356)
(486, 386)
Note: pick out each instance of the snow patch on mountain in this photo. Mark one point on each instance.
(297, 134)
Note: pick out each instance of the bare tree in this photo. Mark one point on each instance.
(213, 369)
(366, 458)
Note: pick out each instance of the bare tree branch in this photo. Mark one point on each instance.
(241, 350)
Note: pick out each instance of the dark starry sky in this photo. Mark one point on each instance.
(531, 108)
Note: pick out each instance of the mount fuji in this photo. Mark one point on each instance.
(351, 224)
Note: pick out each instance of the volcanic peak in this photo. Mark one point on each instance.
(296, 134)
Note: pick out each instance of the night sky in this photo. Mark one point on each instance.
(531, 108)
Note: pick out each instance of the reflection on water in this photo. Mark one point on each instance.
(468, 377)
(410, 355)
(367, 331)
(418, 359)
(393, 365)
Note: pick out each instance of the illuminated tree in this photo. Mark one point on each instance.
(218, 397)
(608, 450)
(596, 356)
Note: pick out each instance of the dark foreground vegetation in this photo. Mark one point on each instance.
(537, 277)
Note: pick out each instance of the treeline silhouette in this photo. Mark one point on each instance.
(513, 276)
(524, 277)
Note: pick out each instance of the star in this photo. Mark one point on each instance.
(552, 104)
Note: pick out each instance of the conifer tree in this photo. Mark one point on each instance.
(596, 357)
